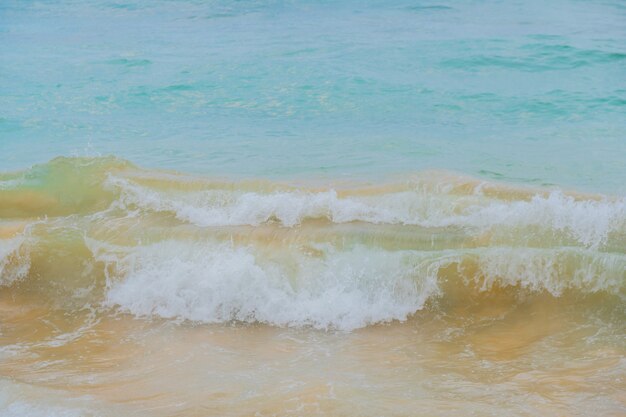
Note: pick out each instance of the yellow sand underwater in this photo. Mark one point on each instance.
(126, 291)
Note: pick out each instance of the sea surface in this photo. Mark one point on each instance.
(312, 208)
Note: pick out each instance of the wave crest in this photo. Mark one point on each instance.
(14, 260)
(589, 222)
(325, 288)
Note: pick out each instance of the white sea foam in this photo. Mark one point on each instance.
(24, 400)
(209, 282)
(554, 270)
(14, 260)
(212, 283)
(20, 408)
(587, 222)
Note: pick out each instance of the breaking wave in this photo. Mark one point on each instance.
(165, 245)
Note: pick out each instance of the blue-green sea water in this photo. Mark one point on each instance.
(520, 91)
(312, 208)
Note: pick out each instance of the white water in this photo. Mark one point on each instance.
(588, 222)
(321, 287)
(14, 260)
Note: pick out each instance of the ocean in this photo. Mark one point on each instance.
(312, 208)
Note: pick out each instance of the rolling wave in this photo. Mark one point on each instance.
(102, 232)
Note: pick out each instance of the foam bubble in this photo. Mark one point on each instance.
(20, 400)
(554, 270)
(211, 283)
(588, 222)
(325, 288)
(14, 260)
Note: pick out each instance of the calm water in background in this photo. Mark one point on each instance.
(513, 90)
(237, 208)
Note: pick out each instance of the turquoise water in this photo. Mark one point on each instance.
(529, 92)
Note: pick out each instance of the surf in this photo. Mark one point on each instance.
(330, 256)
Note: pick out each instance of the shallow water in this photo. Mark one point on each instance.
(321, 208)
(153, 293)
